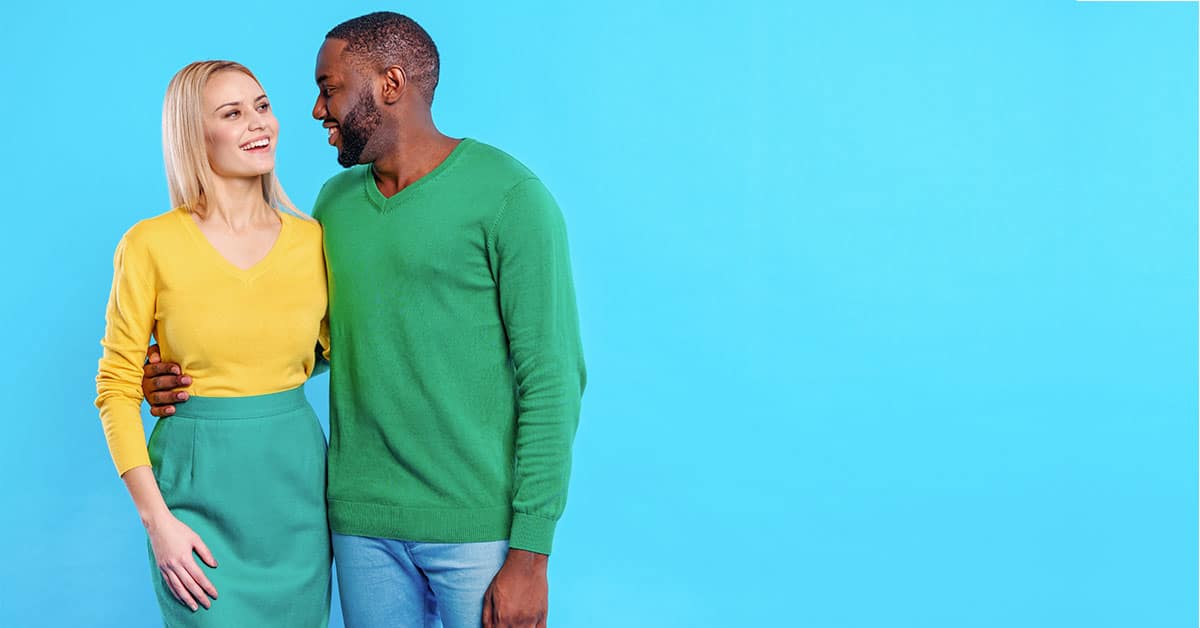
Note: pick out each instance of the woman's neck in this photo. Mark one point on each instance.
(236, 203)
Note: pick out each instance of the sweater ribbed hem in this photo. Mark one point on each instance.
(530, 533)
(417, 524)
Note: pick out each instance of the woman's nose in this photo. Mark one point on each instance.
(258, 121)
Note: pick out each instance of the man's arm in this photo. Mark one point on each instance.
(531, 263)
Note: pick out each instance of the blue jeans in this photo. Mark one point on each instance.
(389, 583)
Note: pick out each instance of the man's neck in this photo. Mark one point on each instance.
(413, 157)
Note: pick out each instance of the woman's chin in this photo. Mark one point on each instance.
(257, 168)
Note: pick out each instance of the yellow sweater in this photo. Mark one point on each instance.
(235, 332)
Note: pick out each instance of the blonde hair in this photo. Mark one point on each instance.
(189, 172)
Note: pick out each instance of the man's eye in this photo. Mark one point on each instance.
(327, 92)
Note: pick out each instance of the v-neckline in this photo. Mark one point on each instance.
(245, 274)
(385, 204)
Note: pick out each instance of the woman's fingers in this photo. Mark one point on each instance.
(181, 592)
(205, 554)
(165, 573)
(184, 571)
(202, 580)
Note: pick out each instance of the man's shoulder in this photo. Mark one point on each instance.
(497, 163)
(345, 178)
(338, 188)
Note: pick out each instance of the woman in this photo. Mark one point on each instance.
(233, 289)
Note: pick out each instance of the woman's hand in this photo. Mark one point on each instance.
(173, 544)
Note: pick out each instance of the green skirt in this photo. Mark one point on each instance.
(248, 475)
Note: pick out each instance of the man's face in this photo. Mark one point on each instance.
(345, 105)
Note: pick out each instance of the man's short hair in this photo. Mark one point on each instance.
(380, 40)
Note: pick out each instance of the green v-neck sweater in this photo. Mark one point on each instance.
(456, 365)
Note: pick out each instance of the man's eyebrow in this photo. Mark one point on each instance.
(322, 78)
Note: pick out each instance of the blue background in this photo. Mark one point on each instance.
(890, 308)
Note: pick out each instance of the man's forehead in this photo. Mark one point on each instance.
(329, 57)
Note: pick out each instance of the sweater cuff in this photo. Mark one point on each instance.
(532, 534)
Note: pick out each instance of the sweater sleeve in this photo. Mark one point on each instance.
(321, 363)
(325, 336)
(537, 303)
(129, 321)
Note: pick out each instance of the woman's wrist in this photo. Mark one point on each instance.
(153, 517)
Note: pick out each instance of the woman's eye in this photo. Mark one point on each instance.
(232, 114)
(264, 106)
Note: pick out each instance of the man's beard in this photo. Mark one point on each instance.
(357, 128)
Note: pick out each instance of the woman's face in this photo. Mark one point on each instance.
(239, 127)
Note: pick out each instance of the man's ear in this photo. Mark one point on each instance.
(394, 84)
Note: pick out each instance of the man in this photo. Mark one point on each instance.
(456, 368)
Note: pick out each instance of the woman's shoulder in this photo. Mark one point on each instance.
(304, 225)
(148, 231)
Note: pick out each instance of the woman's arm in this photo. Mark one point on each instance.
(173, 542)
(129, 322)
